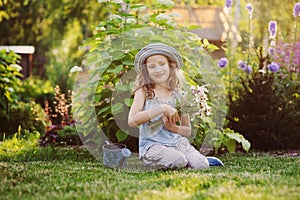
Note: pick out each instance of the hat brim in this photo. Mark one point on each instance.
(157, 49)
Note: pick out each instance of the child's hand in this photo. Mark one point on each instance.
(171, 113)
(169, 125)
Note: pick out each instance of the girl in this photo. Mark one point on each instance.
(156, 93)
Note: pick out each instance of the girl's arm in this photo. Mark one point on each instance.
(138, 116)
(184, 129)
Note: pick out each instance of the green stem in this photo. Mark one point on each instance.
(249, 38)
(229, 55)
(293, 49)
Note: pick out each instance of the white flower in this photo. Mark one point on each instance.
(102, 1)
(113, 17)
(163, 17)
(171, 23)
(102, 28)
(140, 9)
(167, 3)
(117, 1)
(146, 18)
(16, 67)
(175, 15)
(76, 69)
(10, 89)
(6, 80)
(272, 43)
(55, 51)
(130, 21)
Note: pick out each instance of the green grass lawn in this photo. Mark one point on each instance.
(74, 174)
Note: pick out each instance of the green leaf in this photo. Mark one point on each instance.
(246, 145)
(121, 135)
(116, 70)
(128, 101)
(93, 57)
(126, 15)
(212, 47)
(117, 108)
(102, 110)
(8, 96)
(136, 6)
(236, 136)
(118, 55)
(131, 85)
(128, 62)
(122, 88)
(217, 145)
(192, 27)
(230, 144)
(206, 42)
(97, 97)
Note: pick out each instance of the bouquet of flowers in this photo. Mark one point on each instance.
(193, 104)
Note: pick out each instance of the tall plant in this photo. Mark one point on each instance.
(103, 95)
(264, 110)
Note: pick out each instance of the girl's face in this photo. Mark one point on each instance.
(158, 68)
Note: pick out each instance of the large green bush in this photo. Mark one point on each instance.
(266, 109)
(13, 112)
(30, 116)
(102, 93)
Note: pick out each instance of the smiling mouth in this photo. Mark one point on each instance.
(159, 75)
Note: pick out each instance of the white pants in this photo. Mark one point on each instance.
(184, 154)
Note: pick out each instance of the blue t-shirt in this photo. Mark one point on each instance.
(153, 131)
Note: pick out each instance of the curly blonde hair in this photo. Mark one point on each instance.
(144, 81)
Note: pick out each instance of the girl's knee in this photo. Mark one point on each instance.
(200, 165)
(166, 157)
(197, 162)
(180, 162)
(172, 158)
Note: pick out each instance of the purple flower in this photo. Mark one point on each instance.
(228, 3)
(248, 69)
(222, 62)
(271, 50)
(249, 8)
(297, 10)
(243, 66)
(272, 28)
(274, 67)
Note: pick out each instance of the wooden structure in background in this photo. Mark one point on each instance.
(215, 26)
(26, 53)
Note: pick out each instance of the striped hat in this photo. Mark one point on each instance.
(157, 49)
